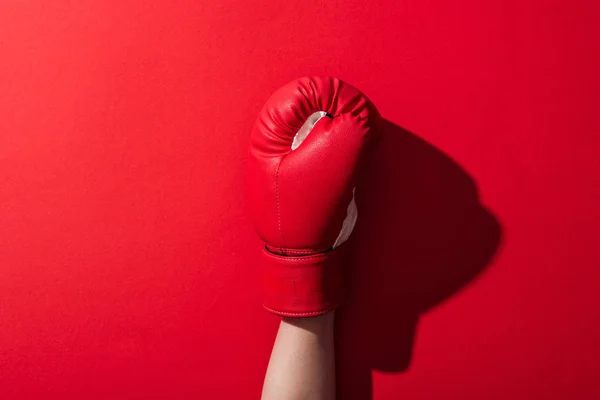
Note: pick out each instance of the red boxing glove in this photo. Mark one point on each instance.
(306, 147)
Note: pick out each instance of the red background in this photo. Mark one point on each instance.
(128, 265)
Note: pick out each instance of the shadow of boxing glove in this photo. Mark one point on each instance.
(307, 145)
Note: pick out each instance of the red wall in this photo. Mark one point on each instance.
(128, 265)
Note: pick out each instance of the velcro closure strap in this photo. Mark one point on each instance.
(303, 286)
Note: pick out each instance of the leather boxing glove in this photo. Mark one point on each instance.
(306, 147)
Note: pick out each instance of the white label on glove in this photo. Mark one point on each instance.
(306, 128)
(349, 222)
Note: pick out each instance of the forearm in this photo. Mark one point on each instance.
(302, 364)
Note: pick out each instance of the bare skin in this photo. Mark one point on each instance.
(302, 364)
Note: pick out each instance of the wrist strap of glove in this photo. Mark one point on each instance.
(303, 286)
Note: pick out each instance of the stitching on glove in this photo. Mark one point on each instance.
(307, 252)
(277, 201)
(296, 258)
(301, 314)
(284, 258)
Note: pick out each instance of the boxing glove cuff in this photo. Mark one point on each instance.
(304, 285)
